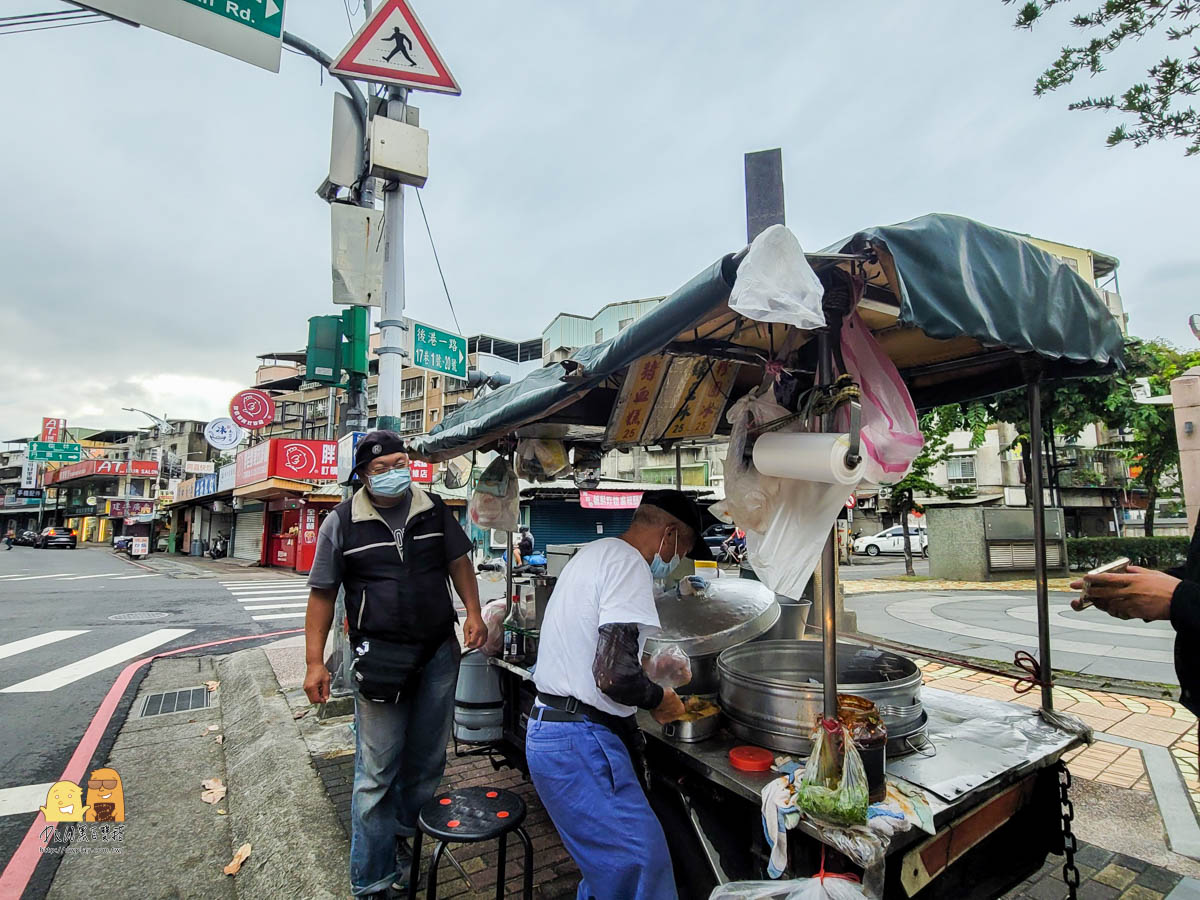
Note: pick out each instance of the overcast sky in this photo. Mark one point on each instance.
(160, 226)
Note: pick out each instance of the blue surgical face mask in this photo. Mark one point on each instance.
(660, 569)
(391, 483)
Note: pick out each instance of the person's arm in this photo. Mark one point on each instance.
(462, 574)
(317, 620)
(618, 672)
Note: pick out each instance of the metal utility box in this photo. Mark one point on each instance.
(986, 544)
(557, 557)
(399, 151)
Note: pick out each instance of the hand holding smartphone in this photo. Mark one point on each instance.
(1120, 564)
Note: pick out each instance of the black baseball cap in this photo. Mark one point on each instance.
(683, 508)
(373, 444)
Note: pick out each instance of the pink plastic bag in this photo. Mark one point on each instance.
(891, 437)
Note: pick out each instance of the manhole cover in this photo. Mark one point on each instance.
(175, 701)
(138, 617)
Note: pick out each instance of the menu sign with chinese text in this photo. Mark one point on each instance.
(638, 393)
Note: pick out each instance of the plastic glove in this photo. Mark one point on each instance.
(692, 586)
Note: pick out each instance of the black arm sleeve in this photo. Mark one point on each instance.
(617, 668)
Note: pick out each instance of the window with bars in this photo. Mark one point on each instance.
(960, 470)
(412, 388)
(454, 385)
(412, 422)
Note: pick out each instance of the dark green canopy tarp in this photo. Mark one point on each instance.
(951, 278)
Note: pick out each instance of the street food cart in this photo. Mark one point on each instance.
(964, 311)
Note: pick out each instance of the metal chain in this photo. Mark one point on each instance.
(1070, 871)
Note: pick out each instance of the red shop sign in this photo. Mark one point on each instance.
(421, 471)
(610, 499)
(304, 460)
(252, 409)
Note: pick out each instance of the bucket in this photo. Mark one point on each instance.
(478, 706)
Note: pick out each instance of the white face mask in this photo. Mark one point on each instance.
(660, 569)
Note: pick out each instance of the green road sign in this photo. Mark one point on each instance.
(261, 15)
(54, 451)
(439, 351)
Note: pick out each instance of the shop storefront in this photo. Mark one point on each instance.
(279, 508)
(202, 512)
(83, 491)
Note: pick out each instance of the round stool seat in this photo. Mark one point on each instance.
(472, 814)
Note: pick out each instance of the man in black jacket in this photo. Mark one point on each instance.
(393, 548)
(1151, 595)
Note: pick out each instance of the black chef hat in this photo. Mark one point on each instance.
(683, 508)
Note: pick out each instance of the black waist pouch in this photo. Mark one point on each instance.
(388, 671)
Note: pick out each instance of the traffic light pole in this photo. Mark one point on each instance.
(391, 320)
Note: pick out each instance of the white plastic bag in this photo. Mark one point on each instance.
(541, 460)
(831, 887)
(496, 500)
(749, 494)
(669, 667)
(775, 283)
(493, 620)
(891, 436)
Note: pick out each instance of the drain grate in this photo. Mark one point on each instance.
(138, 617)
(174, 701)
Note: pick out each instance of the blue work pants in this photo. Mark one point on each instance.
(585, 779)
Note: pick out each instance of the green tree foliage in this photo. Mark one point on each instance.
(936, 426)
(1157, 108)
(1069, 407)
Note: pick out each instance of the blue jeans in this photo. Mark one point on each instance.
(400, 756)
(585, 779)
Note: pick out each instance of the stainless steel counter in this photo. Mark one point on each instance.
(982, 746)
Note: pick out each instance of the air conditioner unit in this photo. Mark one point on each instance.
(238, 504)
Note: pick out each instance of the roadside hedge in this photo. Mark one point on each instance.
(1151, 552)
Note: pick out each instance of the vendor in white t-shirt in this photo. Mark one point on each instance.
(590, 683)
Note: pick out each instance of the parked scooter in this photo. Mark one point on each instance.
(219, 548)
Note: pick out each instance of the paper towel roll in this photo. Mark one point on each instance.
(806, 457)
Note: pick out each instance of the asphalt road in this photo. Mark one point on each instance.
(995, 624)
(70, 621)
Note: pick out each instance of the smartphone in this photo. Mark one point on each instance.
(1117, 565)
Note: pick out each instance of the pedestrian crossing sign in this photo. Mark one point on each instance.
(393, 47)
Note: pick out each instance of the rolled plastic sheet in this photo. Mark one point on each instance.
(807, 457)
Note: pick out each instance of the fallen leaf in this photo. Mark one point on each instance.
(211, 685)
(220, 738)
(212, 727)
(214, 790)
(221, 812)
(235, 864)
(300, 713)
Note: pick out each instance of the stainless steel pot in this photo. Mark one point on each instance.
(732, 612)
(771, 692)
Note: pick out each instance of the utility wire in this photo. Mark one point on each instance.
(50, 14)
(10, 30)
(421, 203)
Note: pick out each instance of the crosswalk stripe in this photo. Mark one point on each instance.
(300, 596)
(35, 577)
(81, 577)
(278, 606)
(38, 640)
(275, 590)
(26, 798)
(97, 662)
(295, 615)
(127, 577)
(260, 583)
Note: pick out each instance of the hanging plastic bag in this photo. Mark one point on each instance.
(891, 435)
(493, 619)
(496, 500)
(669, 667)
(831, 887)
(749, 494)
(541, 460)
(834, 790)
(775, 283)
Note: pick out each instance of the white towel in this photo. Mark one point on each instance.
(776, 805)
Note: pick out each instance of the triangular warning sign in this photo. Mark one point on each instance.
(393, 47)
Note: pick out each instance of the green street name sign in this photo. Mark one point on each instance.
(54, 451)
(439, 351)
(262, 15)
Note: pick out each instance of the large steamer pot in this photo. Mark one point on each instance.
(771, 691)
(731, 612)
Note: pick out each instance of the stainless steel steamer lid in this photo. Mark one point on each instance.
(791, 664)
(732, 612)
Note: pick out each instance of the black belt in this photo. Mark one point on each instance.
(570, 709)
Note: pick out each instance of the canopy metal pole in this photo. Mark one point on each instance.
(1036, 480)
(508, 559)
(828, 561)
(678, 470)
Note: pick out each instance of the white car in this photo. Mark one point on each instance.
(891, 540)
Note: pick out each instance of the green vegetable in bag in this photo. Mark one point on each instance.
(834, 790)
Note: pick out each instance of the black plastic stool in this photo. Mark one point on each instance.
(469, 816)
